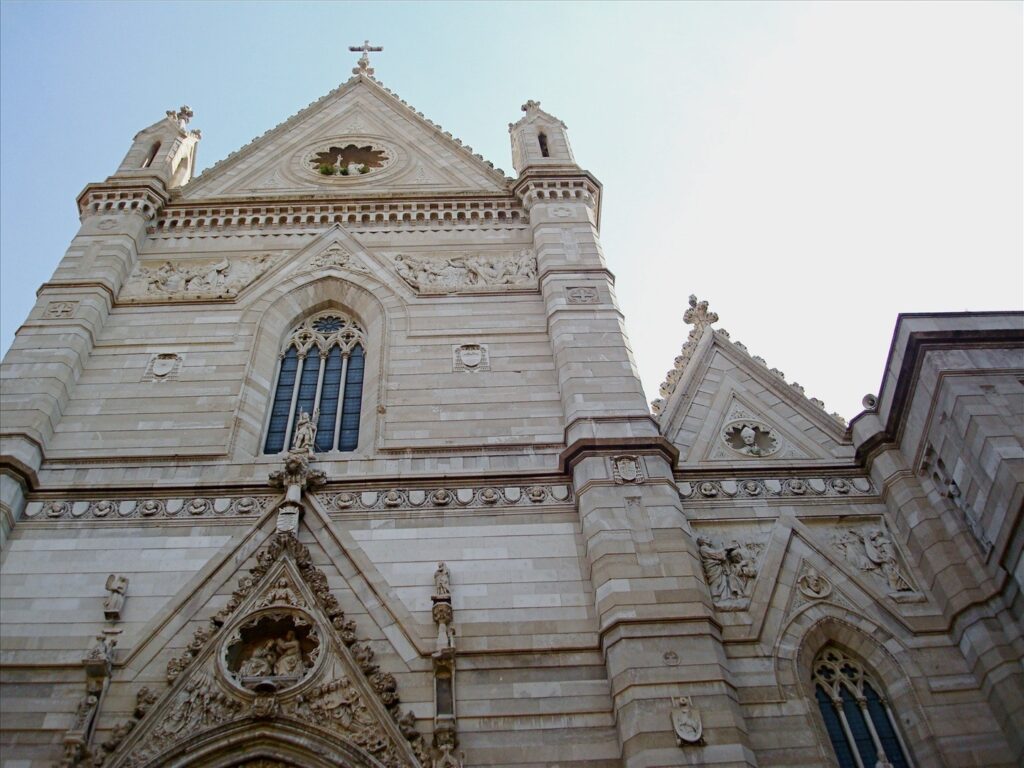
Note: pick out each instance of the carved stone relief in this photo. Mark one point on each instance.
(60, 309)
(336, 256)
(470, 357)
(751, 438)
(812, 584)
(352, 501)
(868, 549)
(194, 279)
(627, 469)
(130, 509)
(686, 721)
(162, 367)
(730, 568)
(793, 487)
(457, 273)
(273, 651)
(582, 295)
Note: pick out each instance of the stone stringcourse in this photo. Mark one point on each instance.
(426, 498)
(203, 705)
(111, 509)
(794, 488)
(701, 318)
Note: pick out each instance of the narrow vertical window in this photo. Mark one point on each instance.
(860, 724)
(152, 155)
(320, 374)
(542, 139)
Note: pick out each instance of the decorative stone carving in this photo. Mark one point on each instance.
(582, 295)
(467, 272)
(108, 509)
(751, 438)
(730, 570)
(686, 721)
(870, 550)
(117, 586)
(459, 497)
(627, 469)
(442, 581)
(812, 584)
(60, 309)
(272, 652)
(305, 434)
(349, 160)
(447, 759)
(336, 256)
(296, 476)
(199, 279)
(163, 366)
(794, 488)
(288, 518)
(701, 318)
(470, 357)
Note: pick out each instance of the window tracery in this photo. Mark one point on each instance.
(860, 724)
(321, 374)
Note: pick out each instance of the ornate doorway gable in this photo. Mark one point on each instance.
(280, 658)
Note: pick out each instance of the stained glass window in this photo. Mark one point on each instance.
(321, 374)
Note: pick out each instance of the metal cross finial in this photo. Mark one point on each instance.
(363, 65)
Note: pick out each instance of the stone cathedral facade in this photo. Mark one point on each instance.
(336, 455)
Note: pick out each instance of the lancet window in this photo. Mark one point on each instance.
(860, 724)
(320, 374)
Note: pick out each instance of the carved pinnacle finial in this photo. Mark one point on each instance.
(530, 104)
(700, 317)
(181, 116)
(363, 65)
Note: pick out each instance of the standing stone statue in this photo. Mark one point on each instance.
(117, 586)
(442, 581)
(305, 434)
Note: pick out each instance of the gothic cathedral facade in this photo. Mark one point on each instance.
(336, 455)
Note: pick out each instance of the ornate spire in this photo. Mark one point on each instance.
(362, 66)
(701, 318)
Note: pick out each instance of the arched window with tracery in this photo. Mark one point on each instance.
(857, 716)
(320, 373)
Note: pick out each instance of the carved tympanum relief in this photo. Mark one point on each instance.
(273, 651)
(868, 548)
(468, 272)
(194, 279)
(750, 438)
(730, 567)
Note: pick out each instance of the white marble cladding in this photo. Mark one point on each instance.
(457, 497)
(787, 487)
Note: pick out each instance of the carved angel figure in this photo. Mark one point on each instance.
(289, 660)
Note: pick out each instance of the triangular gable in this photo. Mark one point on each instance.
(726, 406)
(281, 653)
(417, 156)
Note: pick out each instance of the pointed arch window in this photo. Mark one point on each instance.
(320, 373)
(860, 724)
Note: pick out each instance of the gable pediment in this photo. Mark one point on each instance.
(359, 140)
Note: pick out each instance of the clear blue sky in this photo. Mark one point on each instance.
(812, 169)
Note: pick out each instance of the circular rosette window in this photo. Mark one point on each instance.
(349, 159)
(272, 651)
(751, 438)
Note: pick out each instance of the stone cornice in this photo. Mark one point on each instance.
(142, 196)
(559, 184)
(315, 212)
(589, 446)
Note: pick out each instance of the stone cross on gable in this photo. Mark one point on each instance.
(363, 65)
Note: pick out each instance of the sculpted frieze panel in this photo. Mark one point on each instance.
(791, 487)
(488, 496)
(730, 559)
(868, 549)
(468, 272)
(194, 279)
(133, 509)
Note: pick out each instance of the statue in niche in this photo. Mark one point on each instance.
(272, 653)
(442, 581)
(305, 434)
(730, 571)
(751, 439)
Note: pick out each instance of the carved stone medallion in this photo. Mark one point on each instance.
(686, 721)
(750, 438)
(470, 357)
(272, 652)
(627, 469)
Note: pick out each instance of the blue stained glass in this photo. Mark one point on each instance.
(307, 387)
(858, 727)
(329, 401)
(282, 401)
(886, 734)
(835, 729)
(353, 400)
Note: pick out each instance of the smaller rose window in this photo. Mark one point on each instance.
(272, 652)
(349, 160)
(750, 438)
